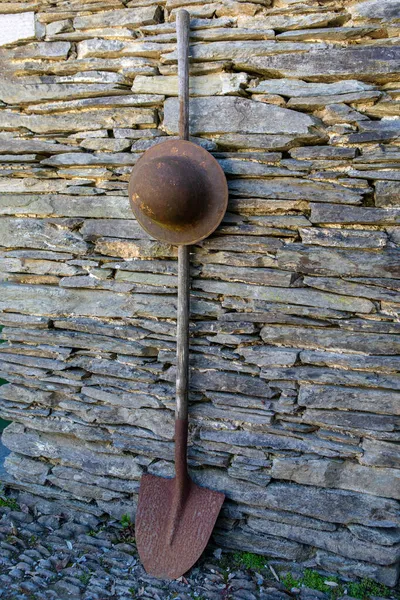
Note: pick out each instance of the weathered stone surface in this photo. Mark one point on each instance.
(352, 568)
(64, 450)
(320, 261)
(131, 17)
(347, 420)
(322, 473)
(330, 339)
(16, 146)
(285, 22)
(325, 213)
(378, 453)
(222, 115)
(53, 51)
(387, 193)
(295, 189)
(77, 122)
(102, 48)
(376, 63)
(295, 88)
(352, 361)
(293, 296)
(237, 51)
(62, 301)
(341, 506)
(219, 84)
(375, 11)
(64, 205)
(35, 233)
(17, 93)
(17, 27)
(342, 238)
(329, 541)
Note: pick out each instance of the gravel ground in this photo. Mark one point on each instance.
(48, 557)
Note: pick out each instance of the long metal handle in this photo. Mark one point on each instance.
(182, 351)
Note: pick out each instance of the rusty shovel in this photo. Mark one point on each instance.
(175, 517)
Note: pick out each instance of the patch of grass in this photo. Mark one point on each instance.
(85, 578)
(362, 590)
(9, 502)
(128, 530)
(126, 521)
(367, 587)
(248, 560)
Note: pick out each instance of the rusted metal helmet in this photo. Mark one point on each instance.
(178, 192)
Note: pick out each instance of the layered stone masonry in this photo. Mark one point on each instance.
(296, 297)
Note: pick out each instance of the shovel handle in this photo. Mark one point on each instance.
(182, 36)
(182, 350)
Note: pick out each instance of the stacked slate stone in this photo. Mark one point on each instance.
(296, 298)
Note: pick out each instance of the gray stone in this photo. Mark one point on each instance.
(26, 469)
(387, 193)
(265, 356)
(126, 17)
(293, 296)
(378, 453)
(219, 84)
(283, 22)
(230, 114)
(295, 88)
(333, 114)
(331, 33)
(352, 361)
(374, 63)
(326, 213)
(16, 146)
(336, 262)
(342, 238)
(107, 118)
(352, 568)
(35, 233)
(261, 544)
(17, 27)
(65, 450)
(331, 339)
(339, 286)
(340, 377)
(333, 541)
(264, 276)
(240, 52)
(17, 93)
(61, 301)
(325, 473)
(53, 51)
(357, 421)
(377, 535)
(288, 188)
(334, 506)
(312, 103)
(375, 11)
(322, 152)
(64, 205)
(101, 48)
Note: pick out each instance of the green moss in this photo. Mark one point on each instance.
(362, 590)
(367, 588)
(85, 578)
(126, 521)
(248, 560)
(9, 502)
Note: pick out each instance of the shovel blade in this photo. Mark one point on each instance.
(163, 555)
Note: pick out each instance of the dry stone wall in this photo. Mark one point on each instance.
(296, 298)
